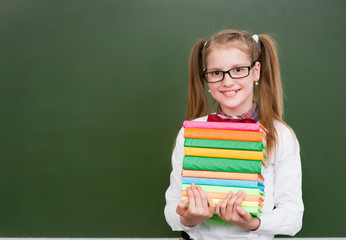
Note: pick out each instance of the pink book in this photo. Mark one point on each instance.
(223, 125)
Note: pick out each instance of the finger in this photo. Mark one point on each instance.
(236, 197)
(191, 197)
(223, 206)
(211, 205)
(210, 201)
(240, 199)
(197, 196)
(244, 214)
(181, 208)
(229, 196)
(218, 209)
(204, 197)
(231, 203)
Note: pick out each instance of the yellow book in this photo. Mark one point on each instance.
(224, 153)
(243, 204)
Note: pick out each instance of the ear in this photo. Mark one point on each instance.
(257, 71)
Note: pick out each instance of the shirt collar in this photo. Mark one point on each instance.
(252, 113)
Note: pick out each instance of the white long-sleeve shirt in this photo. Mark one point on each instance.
(283, 205)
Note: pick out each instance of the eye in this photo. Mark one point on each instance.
(215, 73)
(238, 69)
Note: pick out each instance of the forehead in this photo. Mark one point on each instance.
(222, 56)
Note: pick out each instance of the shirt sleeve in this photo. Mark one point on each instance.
(286, 218)
(173, 193)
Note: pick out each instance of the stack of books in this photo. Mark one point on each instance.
(225, 157)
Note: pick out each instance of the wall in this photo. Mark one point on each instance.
(93, 94)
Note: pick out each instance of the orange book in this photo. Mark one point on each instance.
(218, 134)
(222, 175)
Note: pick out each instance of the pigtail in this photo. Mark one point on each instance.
(270, 96)
(198, 101)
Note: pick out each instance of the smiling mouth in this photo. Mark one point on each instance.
(230, 93)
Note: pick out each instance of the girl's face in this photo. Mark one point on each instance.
(234, 95)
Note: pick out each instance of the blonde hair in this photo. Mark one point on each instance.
(268, 93)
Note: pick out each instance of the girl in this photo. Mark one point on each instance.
(245, 81)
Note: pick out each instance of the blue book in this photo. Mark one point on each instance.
(224, 182)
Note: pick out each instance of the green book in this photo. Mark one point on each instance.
(223, 144)
(222, 164)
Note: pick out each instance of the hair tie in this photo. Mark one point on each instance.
(255, 37)
(205, 44)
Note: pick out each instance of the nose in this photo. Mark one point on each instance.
(227, 80)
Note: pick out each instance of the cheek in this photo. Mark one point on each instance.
(215, 93)
(213, 87)
(247, 85)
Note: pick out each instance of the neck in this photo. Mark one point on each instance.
(249, 113)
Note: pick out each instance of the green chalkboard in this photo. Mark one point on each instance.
(93, 94)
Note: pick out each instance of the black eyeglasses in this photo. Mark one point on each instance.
(235, 73)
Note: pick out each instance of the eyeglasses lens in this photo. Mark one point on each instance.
(215, 76)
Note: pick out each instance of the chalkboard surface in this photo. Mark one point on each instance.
(93, 94)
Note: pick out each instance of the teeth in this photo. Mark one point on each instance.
(229, 93)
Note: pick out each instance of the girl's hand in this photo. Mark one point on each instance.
(200, 207)
(230, 211)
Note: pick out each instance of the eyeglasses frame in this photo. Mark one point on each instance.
(229, 73)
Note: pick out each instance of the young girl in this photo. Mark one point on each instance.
(242, 74)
